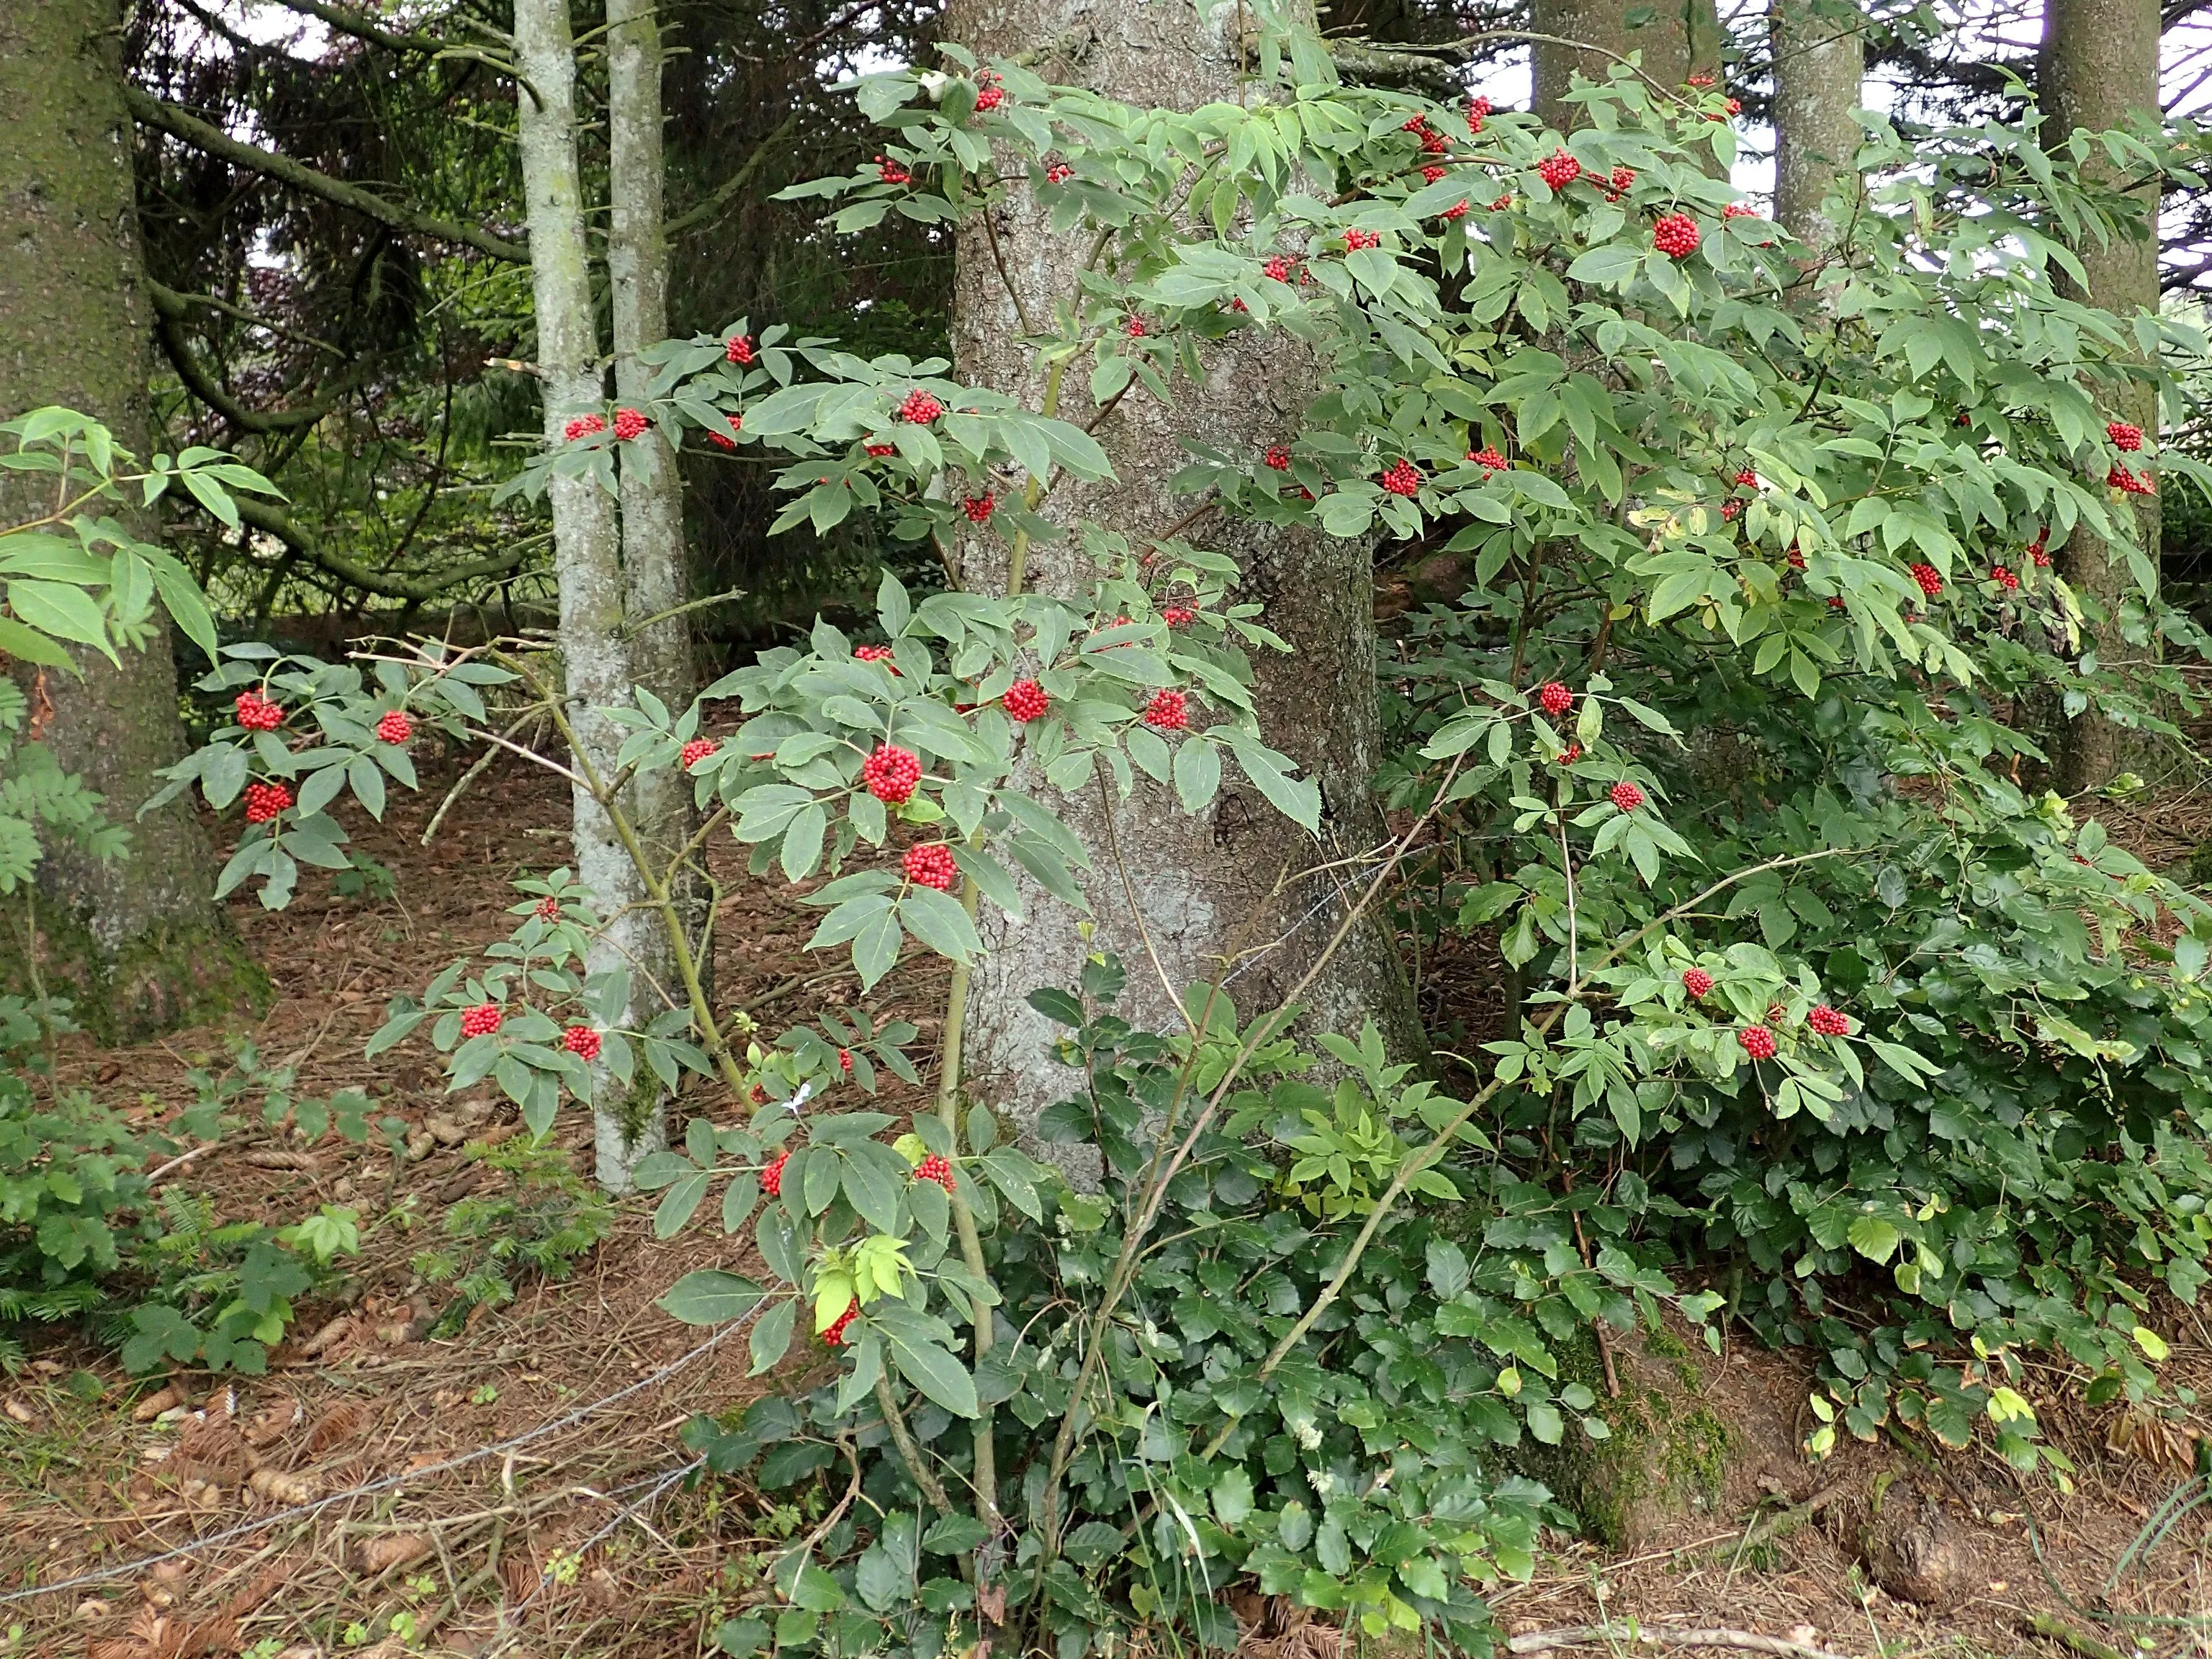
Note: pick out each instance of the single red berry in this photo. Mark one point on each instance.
(834, 1336)
(548, 909)
(936, 1168)
(697, 750)
(979, 508)
(844, 1061)
(266, 801)
(1625, 795)
(931, 865)
(1758, 1041)
(1559, 169)
(2125, 435)
(1555, 698)
(1676, 235)
(1501, 202)
(989, 99)
(892, 172)
(1355, 240)
(1925, 574)
(1826, 1022)
(738, 348)
(1170, 710)
(1402, 478)
(1487, 459)
(1025, 700)
(482, 1020)
(582, 1041)
(257, 713)
(1277, 269)
(1432, 173)
(1570, 755)
(891, 773)
(1058, 174)
(1697, 982)
(920, 408)
(882, 653)
(2003, 578)
(1739, 211)
(584, 426)
(1279, 458)
(629, 424)
(772, 1176)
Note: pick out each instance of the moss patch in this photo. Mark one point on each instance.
(165, 978)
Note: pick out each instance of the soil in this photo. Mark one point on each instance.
(505, 1519)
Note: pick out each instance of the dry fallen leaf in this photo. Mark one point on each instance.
(19, 1411)
(278, 1157)
(393, 1550)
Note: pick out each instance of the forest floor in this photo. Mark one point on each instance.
(526, 1490)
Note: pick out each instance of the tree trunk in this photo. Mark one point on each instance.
(586, 559)
(2099, 70)
(1679, 38)
(1206, 886)
(1820, 71)
(138, 941)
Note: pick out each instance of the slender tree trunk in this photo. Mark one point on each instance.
(2099, 70)
(1820, 72)
(1673, 41)
(138, 941)
(1205, 885)
(586, 552)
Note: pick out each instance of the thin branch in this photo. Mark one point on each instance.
(346, 23)
(1630, 1633)
(706, 212)
(303, 542)
(169, 318)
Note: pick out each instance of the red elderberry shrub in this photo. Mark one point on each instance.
(395, 727)
(1354, 239)
(548, 909)
(1559, 169)
(1555, 698)
(1277, 269)
(629, 424)
(697, 750)
(1570, 755)
(266, 801)
(2003, 578)
(936, 1168)
(1432, 173)
(1025, 700)
(582, 1041)
(738, 348)
(584, 426)
(1826, 1022)
(257, 713)
(931, 865)
(844, 1061)
(1058, 174)
(1279, 458)
(1758, 1041)
(482, 1020)
(834, 1336)
(920, 408)
(2125, 435)
(1930, 584)
(979, 508)
(891, 773)
(1487, 459)
(1170, 710)
(772, 1176)
(1402, 478)
(1625, 795)
(1697, 982)
(892, 172)
(1676, 235)
(881, 450)
(1178, 615)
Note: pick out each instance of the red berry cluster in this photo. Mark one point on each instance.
(1738, 210)
(1456, 211)
(882, 653)
(879, 450)
(629, 424)
(1354, 239)
(1487, 459)
(1025, 700)
(2126, 482)
(1178, 615)
(1826, 1022)
(920, 408)
(1559, 169)
(979, 508)
(772, 1176)
(1795, 555)
(1170, 710)
(582, 1041)
(1625, 795)
(1930, 583)
(1731, 511)
(723, 439)
(738, 348)
(935, 1168)
(1748, 479)
(1476, 109)
(1402, 478)
(266, 801)
(394, 727)
(891, 773)
(1501, 202)
(257, 713)
(1058, 174)
(1570, 755)
(1237, 304)
(2003, 578)
(482, 1020)
(1697, 982)
(931, 865)
(1617, 185)
(988, 99)
(1279, 458)
(892, 172)
(1555, 698)
(584, 426)
(1758, 1041)
(1676, 235)
(2037, 553)
(1701, 80)
(548, 909)
(844, 1061)
(2125, 435)
(834, 1336)
(1134, 328)
(1432, 173)
(1277, 269)
(697, 750)
(1835, 602)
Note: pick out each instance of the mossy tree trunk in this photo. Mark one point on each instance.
(1674, 40)
(2099, 70)
(138, 941)
(1205, 884)
(1820, 72)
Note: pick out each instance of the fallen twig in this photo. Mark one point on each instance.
(1632, 1634)
(2054, 1629)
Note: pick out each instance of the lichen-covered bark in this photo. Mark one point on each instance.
(2099, 70)
(1673, 41)
(137, 940)
(1205, 885)
(1819, 59)
(585, 545)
